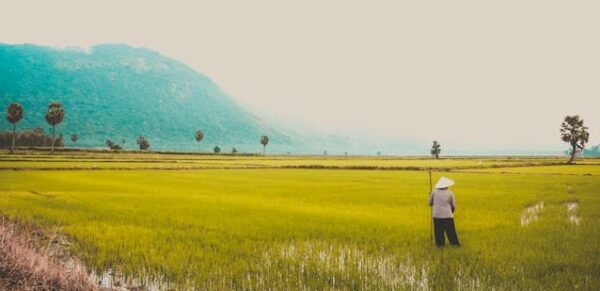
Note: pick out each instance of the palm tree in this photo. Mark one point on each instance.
(14, 113)
(54, 116)
(264, 140)
(574, 133)
(199, 136)
(436, 149)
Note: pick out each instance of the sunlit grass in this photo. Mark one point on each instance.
(316, 229)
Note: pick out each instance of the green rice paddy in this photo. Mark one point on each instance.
(258, 223)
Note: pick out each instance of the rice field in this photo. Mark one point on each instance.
(583, 169)
(149, 161)
(274, 227)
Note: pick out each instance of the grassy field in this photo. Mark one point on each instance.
(271, 228)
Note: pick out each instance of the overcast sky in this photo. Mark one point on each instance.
(487, 75)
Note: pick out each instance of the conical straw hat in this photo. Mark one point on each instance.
(444, 182)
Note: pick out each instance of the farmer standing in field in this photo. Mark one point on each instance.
(443, 204)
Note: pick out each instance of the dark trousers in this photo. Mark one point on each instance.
(445, 225)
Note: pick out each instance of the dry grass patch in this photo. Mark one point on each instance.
(26, 266)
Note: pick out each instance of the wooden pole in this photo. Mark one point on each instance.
(431, 214)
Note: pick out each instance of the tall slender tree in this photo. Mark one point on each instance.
(14, 113)
(436, 149)
(74, 138)
(573, 132)
(199, 136)
(264, 140)
(54, 115)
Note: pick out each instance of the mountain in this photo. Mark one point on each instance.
(117, 92)
(120, 92)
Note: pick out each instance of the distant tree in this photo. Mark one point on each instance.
(217, 149)
(379, 153)
(74, 138)
(264, 140)
(54, 115)
(234, 151)
(436, 149)
(324, 153)
(123, 141)
(593, 152)
(14, 113)
(143, 143)
(199, 136)
(345, 154)
(574, 133)
(112, 145)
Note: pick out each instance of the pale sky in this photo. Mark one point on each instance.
(469, 73)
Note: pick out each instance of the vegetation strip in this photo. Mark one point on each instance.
(264, 166)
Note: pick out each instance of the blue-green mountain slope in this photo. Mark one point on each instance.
(120, 92)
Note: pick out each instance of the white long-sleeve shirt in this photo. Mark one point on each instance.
(442, 201)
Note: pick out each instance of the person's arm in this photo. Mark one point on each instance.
(431, 199)
(452, 202)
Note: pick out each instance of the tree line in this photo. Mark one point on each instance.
(55, 114)
(572, 131)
